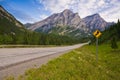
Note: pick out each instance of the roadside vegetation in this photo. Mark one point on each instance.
(79, 64)
(111, 33)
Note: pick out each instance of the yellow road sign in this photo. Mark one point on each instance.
(97, 33)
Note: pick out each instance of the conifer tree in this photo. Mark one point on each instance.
(114, 43)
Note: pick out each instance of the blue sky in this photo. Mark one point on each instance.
(35, 10)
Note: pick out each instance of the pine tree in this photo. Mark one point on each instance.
(114, 43)
(118, 28)
(118, 21)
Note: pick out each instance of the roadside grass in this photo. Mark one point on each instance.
(79, 64)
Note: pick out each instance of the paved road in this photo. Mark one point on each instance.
(12, 57)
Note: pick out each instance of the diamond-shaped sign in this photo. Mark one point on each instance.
(97, 33)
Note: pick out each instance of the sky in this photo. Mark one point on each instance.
(30, 11)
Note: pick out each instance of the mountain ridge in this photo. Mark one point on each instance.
(95, 21)
(72, 20)
(61, 21)
(9, 24)
(65, 14)
(7, 15)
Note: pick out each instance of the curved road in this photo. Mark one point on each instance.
(14, 61)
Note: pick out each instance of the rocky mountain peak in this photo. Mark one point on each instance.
(95, 21)
(67, 11)
(67, 20)
(96, 15)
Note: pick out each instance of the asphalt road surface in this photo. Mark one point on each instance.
(14, 61)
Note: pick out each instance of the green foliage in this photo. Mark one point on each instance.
(108, 33)
(10, 78)
(7, 27)
(113, 30)
(113, 43)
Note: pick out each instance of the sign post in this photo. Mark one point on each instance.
(97, 34)
(97, 49)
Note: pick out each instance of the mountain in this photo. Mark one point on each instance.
(8, 23)
(95, 21)
(14, 32)
(8, 16)
(27, 25)
(64, 23)
(11, 30)
(69, 23)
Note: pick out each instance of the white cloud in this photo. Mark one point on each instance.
(43, 16)
(101, 3)
(109, 9)
(113, 12)
(55, 6)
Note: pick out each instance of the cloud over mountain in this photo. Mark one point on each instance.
(86, 7)
(40, 9)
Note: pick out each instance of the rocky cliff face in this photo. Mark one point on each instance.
(95, 21)
(62, 23)
(8, 16)
(69, 23)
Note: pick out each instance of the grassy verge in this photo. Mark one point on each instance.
(79, 64)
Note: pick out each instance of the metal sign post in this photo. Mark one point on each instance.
(97, 34)
(96, 49)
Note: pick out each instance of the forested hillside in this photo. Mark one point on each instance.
(113, 31)
(109, 33)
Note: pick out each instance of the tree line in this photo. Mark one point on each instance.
(112, 32)
(110, 35)
(33, 38)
